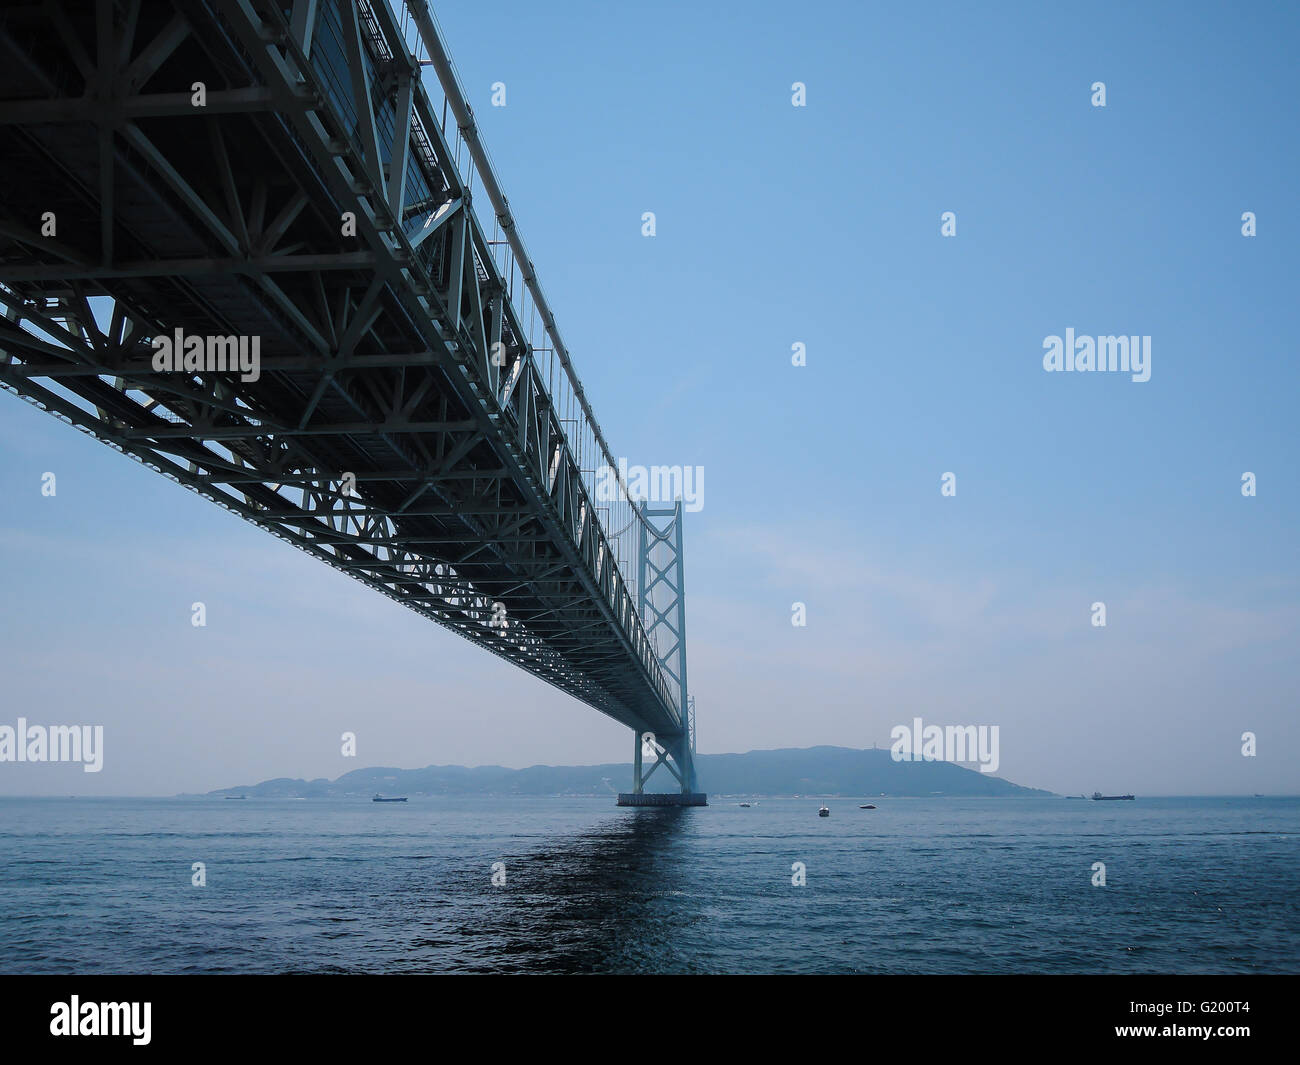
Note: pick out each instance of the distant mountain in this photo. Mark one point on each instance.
(790, 771)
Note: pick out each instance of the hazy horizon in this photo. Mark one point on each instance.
(581, 765)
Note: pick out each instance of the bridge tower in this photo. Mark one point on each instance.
(661, 598)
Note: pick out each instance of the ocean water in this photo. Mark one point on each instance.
(1199, 885)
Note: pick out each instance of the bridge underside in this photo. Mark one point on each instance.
(402, 428)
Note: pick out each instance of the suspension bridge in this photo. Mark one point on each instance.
(259, 246)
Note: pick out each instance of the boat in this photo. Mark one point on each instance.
(825, 811)
(1099, 797)
(236, 796)
(380, 798)
(867, 807)
(744, 804)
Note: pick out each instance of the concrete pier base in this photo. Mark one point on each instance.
(668, 798)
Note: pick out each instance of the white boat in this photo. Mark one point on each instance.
(825, 811)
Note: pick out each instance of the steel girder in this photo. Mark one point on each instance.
(393, 358)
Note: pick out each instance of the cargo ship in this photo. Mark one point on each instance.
(1104, 798)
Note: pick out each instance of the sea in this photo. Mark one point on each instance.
(576, 885)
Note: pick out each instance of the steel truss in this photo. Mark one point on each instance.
(662, 605)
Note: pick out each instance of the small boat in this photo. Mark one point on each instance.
(825, 811)
(1099, 797)
(744, 804)
(867, 807)
(236, 796)
(380, 798)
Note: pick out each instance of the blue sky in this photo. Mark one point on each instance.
(818, 225)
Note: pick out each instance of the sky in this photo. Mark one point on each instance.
(817, 225)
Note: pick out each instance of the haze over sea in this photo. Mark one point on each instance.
(996, 885)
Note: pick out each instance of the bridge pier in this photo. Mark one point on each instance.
(663, 798)
(680, 763)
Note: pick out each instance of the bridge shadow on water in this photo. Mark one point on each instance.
(613, 899)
